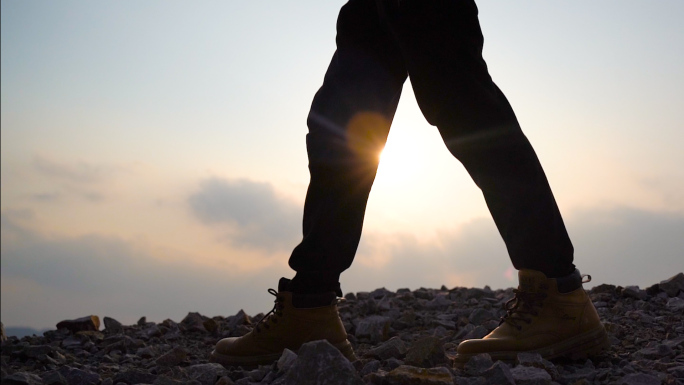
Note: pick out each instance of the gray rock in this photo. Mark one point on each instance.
(76, 376)
(80, 324)
(478, 364)
(286, 360)
(163, 380)
(673, 285)
(112, 326)
(375, 328)
(633, 292)
(529, 375)
(320, 363)
(426, 352)
(370, 367)
(172, 357)
(440, 301)
(193, 322)
(225, 380)
(206, 374)
(536, 360)
(477, 333)
(38, 350)
(655, 352)
(135, 376)
(639, 379)
(22, 378)
(53, 377)
(470, 381)
(675, 303)
(499, 374)
(392, 363)
(479, 316)
(411, 375)
(394, 347)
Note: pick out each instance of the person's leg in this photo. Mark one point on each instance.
(348, 124)
(551, 314)
(442, 45)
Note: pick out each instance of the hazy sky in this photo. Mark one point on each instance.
(153, 155)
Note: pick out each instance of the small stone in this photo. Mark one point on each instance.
(72, 341)
(22, 378)
(37, 351)
(193, 322)
(478, 364)
(426, 352)
(142, 321)
(210, 325)
(673, 285)
(153, 331)
(286, 360)
(76, 376)
(239, 319)
(393, 363)
(675, 303)
(225, 380)
(135, 376)
(477, 333)
(206, 374)
(319, 362)
(479, 316)
(112, 326)
(655, 352)
(145, 352)
(394, 347)
(375, 328)
(410, 375)
(440, 301)
(528, 375)
(80, 324)
(634, 292)
(639, 379)
(164, 380)
(470, 381)
(3, 336)
(173, 357)
(53, 377)
(370, 367)
(499, 373)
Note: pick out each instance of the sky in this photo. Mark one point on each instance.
(153, 159)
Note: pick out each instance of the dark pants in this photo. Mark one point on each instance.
(439, 44)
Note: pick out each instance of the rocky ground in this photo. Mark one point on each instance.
(401, 338)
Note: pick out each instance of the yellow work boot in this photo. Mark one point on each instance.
(552, 317)
(312, 317)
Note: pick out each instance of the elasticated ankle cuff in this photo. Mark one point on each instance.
(315, 283)
(570, 282)
(307, 301)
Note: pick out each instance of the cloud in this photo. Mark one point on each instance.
(254, 214)
(623, 246)
(48, 279)
(79, 172)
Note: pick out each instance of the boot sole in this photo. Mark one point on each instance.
(251, 361)
(582, 346)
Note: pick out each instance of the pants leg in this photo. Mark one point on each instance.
(348, 125)
(441, 43)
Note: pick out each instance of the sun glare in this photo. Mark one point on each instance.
(399, 162)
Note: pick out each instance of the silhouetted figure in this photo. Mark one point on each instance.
(438, 43)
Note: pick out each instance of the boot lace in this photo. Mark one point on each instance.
(272, 316)
(522, 307)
